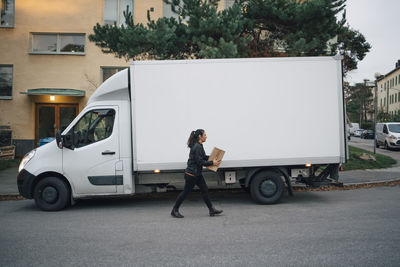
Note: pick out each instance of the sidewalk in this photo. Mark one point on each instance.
(8, 178)
(8, 181)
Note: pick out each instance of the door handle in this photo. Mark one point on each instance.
(107, 152)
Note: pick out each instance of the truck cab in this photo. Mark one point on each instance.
(92, 156)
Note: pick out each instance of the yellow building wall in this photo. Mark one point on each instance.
(32, 71)
(391, 90)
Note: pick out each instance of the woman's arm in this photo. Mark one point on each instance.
(198, 157)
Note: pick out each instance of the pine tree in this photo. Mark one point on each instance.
(250, 28)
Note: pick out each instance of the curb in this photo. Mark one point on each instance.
(350, 186)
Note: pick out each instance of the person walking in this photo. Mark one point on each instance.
(193, 172)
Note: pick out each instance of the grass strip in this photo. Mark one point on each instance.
(356, 163)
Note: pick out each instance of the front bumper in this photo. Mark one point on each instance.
(25, 180)
(394, 144)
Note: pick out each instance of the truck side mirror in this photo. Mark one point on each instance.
(59, 139)
(67, 141)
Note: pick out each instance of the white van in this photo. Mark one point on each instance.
(388, 135)
(354, 127)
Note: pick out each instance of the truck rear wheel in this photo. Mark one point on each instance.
(51, 194)
(267, 187)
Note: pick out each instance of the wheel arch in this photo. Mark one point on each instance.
(49, 174)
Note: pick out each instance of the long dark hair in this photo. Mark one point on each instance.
(194, 137)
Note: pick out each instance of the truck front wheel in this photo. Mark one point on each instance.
(267, 187)
(51, 194)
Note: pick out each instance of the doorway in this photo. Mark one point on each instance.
(52, 117)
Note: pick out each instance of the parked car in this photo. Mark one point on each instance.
(354, 127)
(367, 134)
(388, 135)
(357, 133)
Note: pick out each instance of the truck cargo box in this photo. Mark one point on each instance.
(262, 112)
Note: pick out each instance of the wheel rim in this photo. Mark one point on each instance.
(49, 194)
(268, 188)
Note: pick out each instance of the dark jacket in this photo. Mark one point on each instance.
(197, 159)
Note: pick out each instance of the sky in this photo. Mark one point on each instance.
(379, 22)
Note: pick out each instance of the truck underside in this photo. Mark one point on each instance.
(266, 184)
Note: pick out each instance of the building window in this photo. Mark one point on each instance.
(114, 11)
(107, 72)
(381, 102)
(58, 43)
(6, 81)
(7, 10)
(395, 98)
(229, 3)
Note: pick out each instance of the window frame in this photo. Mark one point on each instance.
(12, 82)
(12, 25)
(118, 22)
(110, 67)
(72, 129)
(58, 48)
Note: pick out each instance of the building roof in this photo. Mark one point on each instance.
(387, 74)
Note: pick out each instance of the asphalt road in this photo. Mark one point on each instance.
(334, 228)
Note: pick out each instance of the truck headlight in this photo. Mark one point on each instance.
(26, 159)
(392, 137)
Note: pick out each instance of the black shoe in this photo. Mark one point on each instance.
(175, 213)
(214, 211)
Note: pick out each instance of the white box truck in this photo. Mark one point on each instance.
(278, 119)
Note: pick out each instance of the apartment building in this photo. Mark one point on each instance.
(389, 91)
(48, 67)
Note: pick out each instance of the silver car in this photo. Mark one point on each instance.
(357, 133)
(388, 135)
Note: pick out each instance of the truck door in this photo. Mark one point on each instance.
(91, 162)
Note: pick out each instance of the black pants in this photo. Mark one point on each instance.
(190, 182)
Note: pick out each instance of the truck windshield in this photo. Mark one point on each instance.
(394, 128)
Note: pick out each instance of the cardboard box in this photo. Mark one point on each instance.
(216, 154)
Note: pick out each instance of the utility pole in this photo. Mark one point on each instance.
(377, 75)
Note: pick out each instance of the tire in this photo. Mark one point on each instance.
(386, 146)
(377, 144)
(51, 194)
(267, 187)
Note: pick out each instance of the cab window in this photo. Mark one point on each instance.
(385, 130)
(94, 126)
